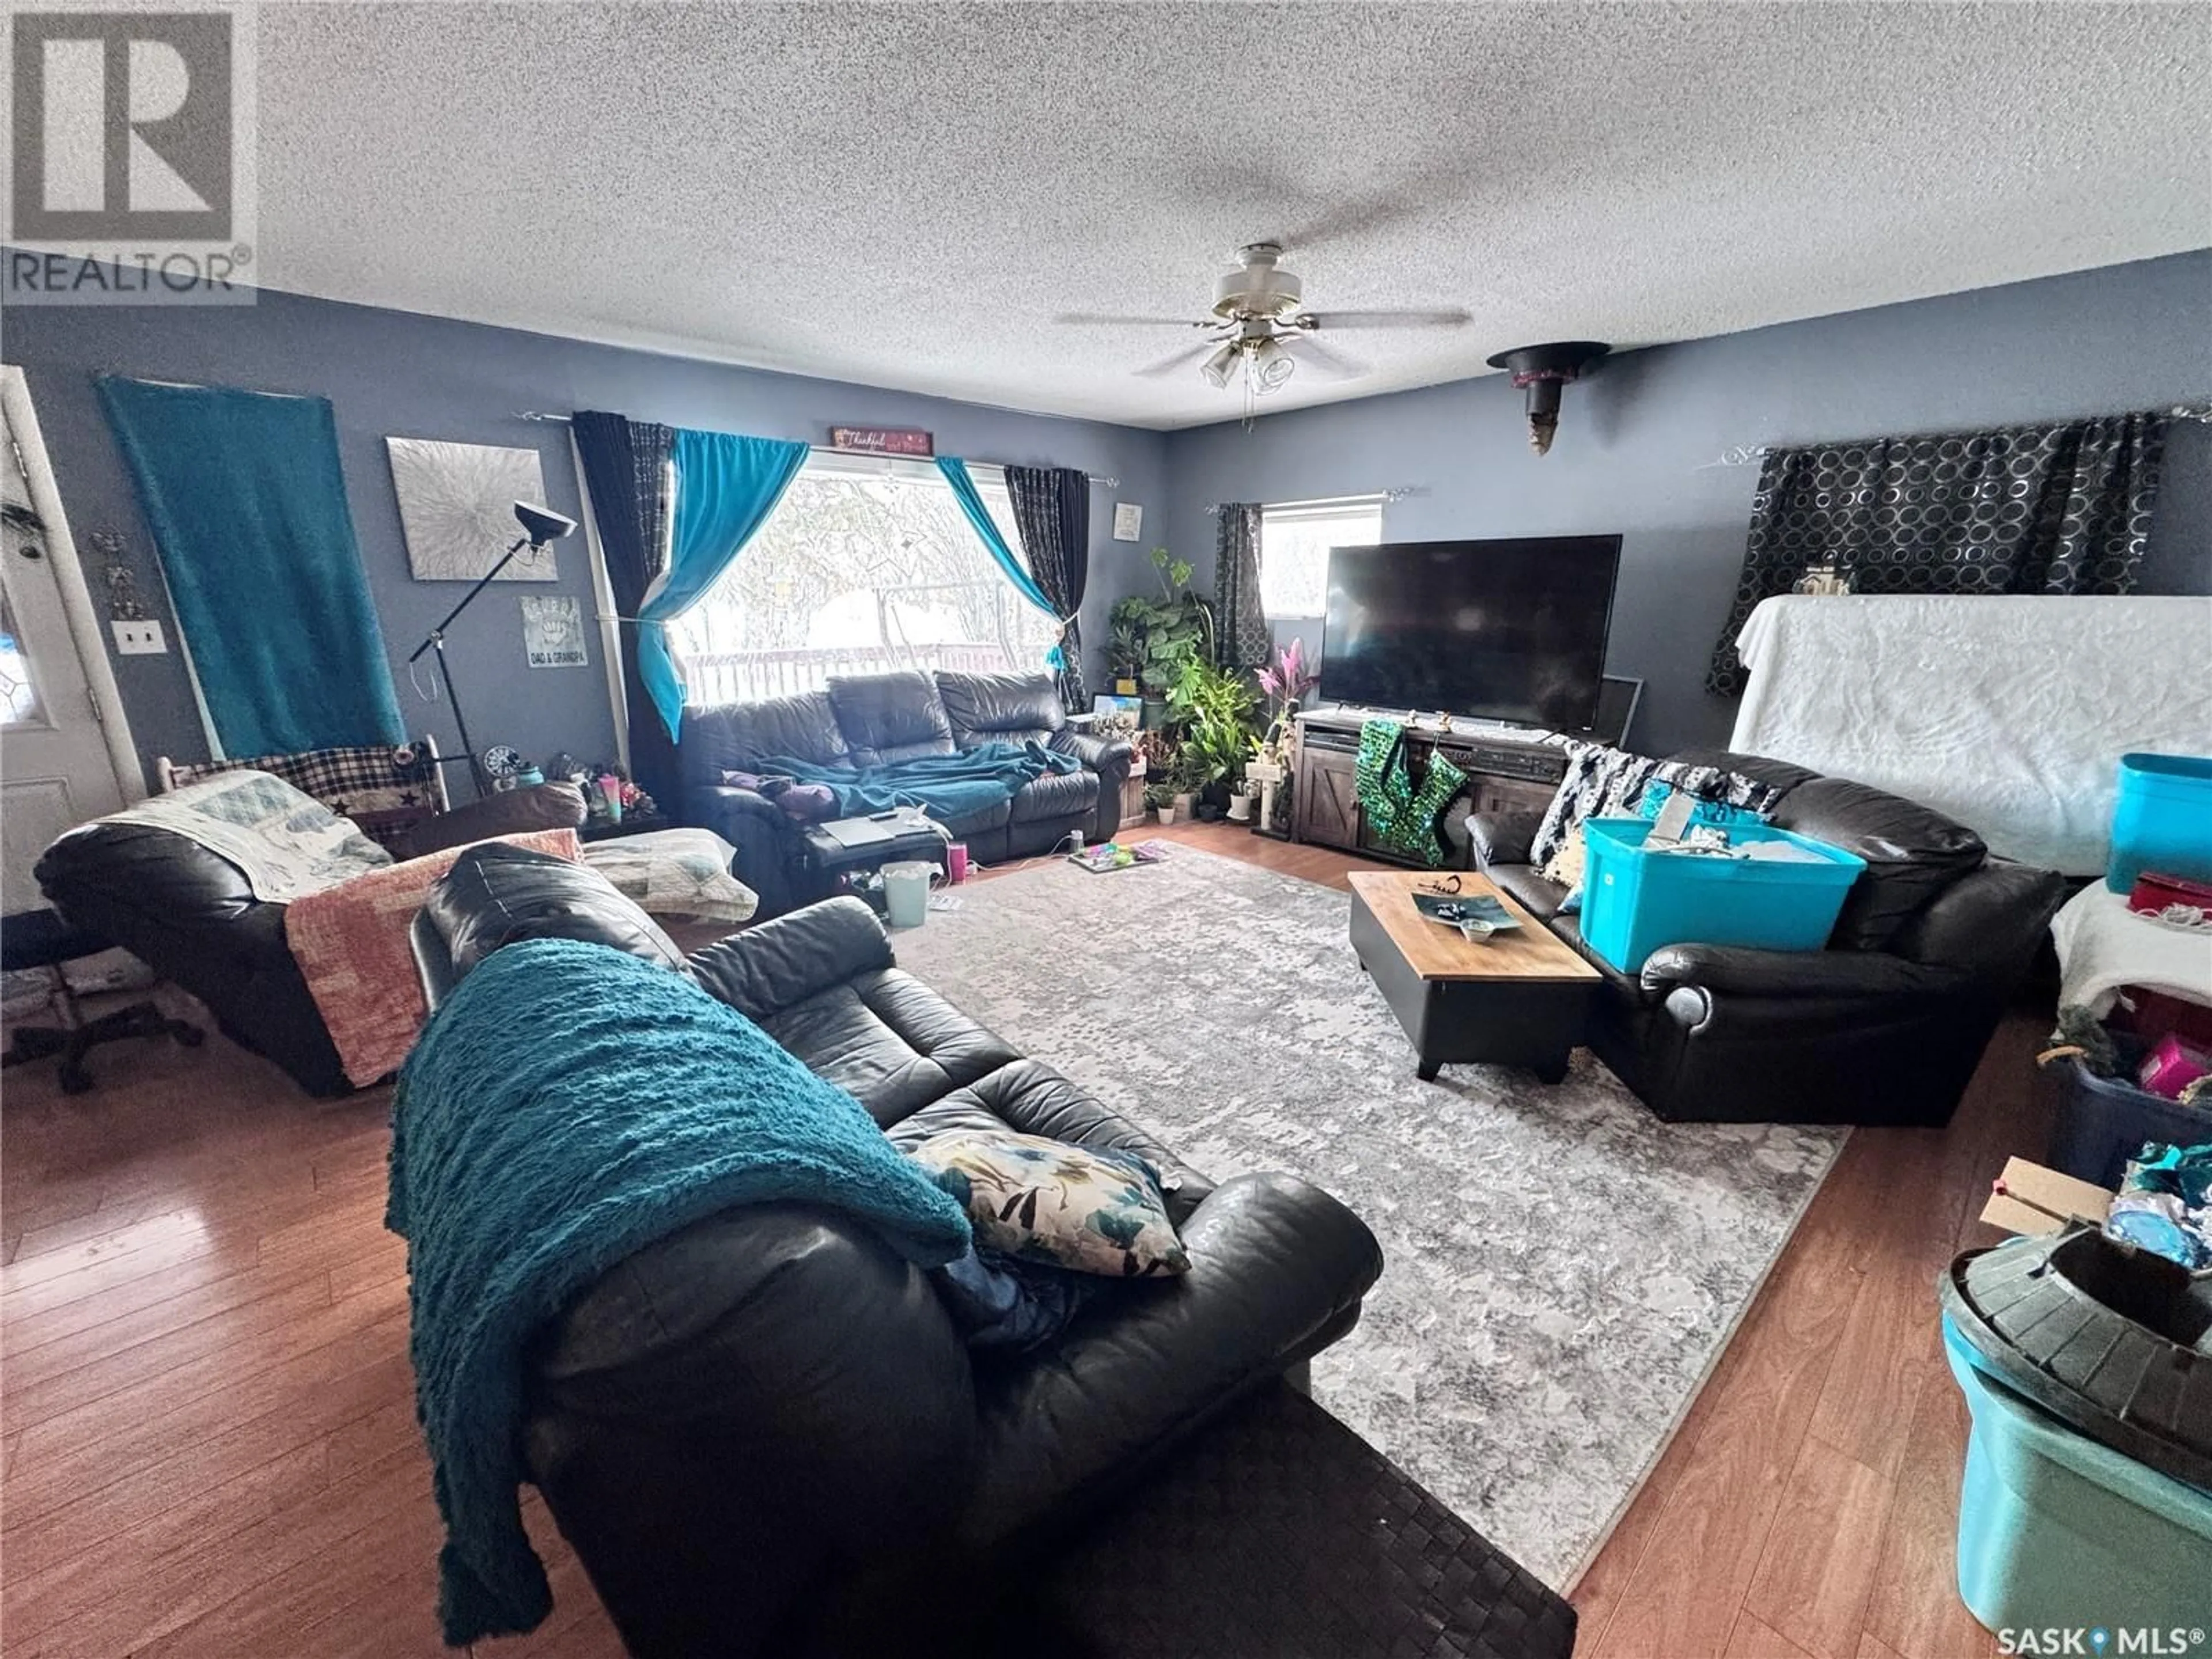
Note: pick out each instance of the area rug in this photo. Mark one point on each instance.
(1561, 1268)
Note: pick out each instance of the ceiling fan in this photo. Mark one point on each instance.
(1260, 331)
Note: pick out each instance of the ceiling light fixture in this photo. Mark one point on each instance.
(1221, 365)
(1269, 365)
(1541, 370)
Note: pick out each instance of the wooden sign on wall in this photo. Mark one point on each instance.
(882, 441)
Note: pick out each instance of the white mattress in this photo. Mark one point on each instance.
(2007, 713)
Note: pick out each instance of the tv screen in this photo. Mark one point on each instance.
(1505, 631)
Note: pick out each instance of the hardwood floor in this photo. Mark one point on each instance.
(208, 1442)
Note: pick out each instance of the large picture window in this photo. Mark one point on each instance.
(866, 566)
(1294, 542)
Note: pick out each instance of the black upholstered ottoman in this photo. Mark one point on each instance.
(1281, 1534)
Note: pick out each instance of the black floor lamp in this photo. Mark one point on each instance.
(539, 527)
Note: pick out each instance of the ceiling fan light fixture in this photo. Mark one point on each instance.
(1221, 365)
(1541, 371)
(1270, 365)
(1258, 287)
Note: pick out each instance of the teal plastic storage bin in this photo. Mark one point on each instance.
(2162, 820)
(2058, 1532)
(1634, 901)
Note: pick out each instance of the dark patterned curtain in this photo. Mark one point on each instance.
(625, 472)
(2051, 509)
(1245, 640)
(1052, 514)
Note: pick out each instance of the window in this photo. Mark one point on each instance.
(1294, 542)
(866, 565)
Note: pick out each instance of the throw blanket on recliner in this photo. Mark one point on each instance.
(946, 786)
(567, 1106)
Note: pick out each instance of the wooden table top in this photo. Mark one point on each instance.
(1433, 951)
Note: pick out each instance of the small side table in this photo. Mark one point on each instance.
(839, 868)
(599, 828)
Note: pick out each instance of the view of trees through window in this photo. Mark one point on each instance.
(858, 572)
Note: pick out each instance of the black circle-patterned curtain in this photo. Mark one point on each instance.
(2058, 509)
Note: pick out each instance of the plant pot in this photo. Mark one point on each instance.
(1156, 712)
(1166, 815)
(1125, 688)
(1240, 808)
(1208, 812)
(1184, 802)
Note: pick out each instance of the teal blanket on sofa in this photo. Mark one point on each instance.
(566, 1106)
(946, 786)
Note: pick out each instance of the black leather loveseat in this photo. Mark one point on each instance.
(1885, 1026)
(868, 720)
(763, 1435)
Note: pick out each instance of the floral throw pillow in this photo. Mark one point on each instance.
(1093, 1210)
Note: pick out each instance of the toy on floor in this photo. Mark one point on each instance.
(1113, 855)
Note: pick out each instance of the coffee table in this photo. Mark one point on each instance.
(909, 833)
(1519, 999)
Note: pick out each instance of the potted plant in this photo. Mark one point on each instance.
(1150, 640)
(1216, 708)
(1161, 798)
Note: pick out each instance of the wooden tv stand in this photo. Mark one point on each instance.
(1506, 771)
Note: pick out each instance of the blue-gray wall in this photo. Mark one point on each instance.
(395, 372)
(1636, 438)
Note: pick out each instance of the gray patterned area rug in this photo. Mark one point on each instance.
(1561, 1268)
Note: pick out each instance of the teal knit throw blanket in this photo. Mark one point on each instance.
(567, 1106)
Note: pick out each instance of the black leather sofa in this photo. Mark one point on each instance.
(1885, 1026)
(763, 1435)
(189, 914)
(868, 720)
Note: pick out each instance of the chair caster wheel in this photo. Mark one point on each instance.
(75, 1080)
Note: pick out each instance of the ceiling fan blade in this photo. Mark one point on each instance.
(1094, 320)
(1175, 363)
(1336, 365)
(1348, 319)
(1352, 221)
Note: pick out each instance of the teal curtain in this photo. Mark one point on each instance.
(247, 505)
(963, 491)
(725, 488)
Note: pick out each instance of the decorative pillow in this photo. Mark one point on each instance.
(350, 942)
(807, 803)
(1091, 1209)
(675, 872)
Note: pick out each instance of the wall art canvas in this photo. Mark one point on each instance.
(553, 631)
(457, 506)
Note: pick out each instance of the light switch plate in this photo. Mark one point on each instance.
(138, 639)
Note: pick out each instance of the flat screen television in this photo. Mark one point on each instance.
(1505, 631)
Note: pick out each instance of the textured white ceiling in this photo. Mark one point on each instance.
(907, 196)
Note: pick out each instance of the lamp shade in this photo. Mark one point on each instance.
(541, 525)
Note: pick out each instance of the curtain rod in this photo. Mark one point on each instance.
(824, 449)
(1398, 493)
(1745, 454)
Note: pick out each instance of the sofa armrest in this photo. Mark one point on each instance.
(777, 964)
(510, 811)
(1737, 971)
(1109, 758)
(1988, 924)
(1278, 1269)
(1501, 837)
(725, 808)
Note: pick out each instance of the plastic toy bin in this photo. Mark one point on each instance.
(2057, 1531)
(2162, 819)
(1634, 901)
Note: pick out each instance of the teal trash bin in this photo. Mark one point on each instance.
(1634, 901)
(2162, 820)
(2057, 1532)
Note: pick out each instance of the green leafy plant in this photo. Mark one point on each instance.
(1150, 640)
(1218, 711)
(1157, 795)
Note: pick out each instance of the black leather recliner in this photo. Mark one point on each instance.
(868, 720)
(762, 1434)
(1885, 1026)
(191, 916)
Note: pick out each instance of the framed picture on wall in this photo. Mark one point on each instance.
(457, 506)
(553, 631)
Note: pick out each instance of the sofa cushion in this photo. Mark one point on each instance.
(740, 736)
(1913, 853)
(891, 717)
(889, 1041)
(1056, 795)
(498, 894)
(1000, 707)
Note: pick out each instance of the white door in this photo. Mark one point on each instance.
(57, 764)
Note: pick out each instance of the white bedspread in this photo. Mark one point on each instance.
(2104, 945)
(2009, 714)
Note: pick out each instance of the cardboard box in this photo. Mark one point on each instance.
(2048, 1196)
